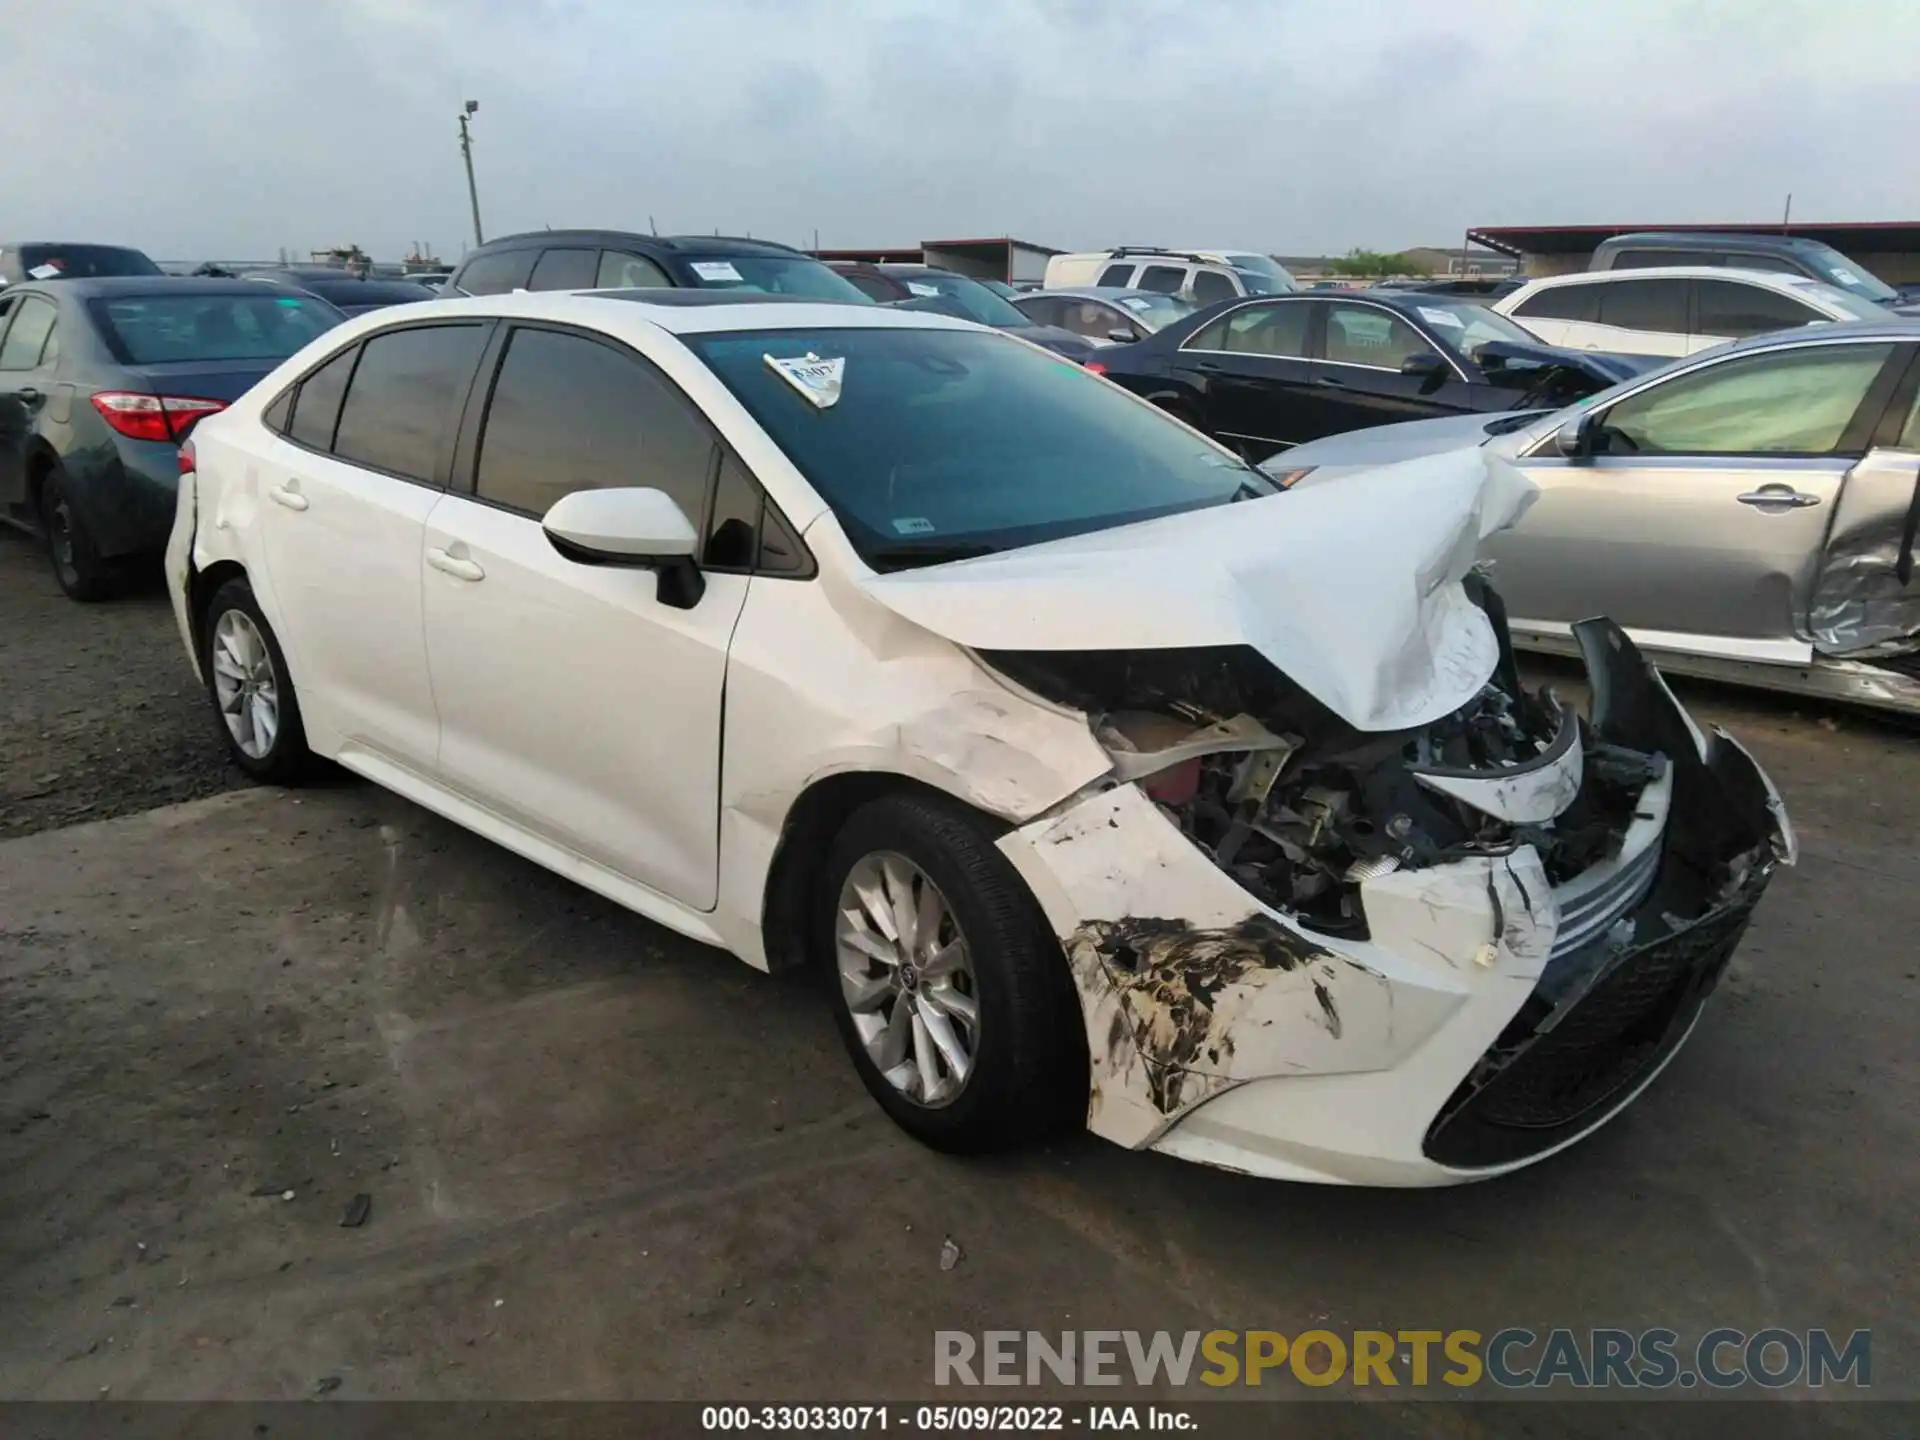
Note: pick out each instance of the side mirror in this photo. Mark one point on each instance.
(640, 528)
(1574, 440)
(1122, 336)
(1428, 368)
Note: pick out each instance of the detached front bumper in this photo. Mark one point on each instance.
(1490, 1019)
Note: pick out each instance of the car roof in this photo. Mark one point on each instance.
(689, 311)
(1771, 278)
(630, 239)
(108, 286)
(1893, 328)
(1712, 240)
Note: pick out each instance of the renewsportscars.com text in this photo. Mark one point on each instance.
(1514, 1358)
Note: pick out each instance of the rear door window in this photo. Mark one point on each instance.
(569, 413)
(1726, 307)
(1165, 278)
(1210, 287)
(1121, 275)
(1648, 259)
(1562, 302)
(403, 398)
(496, 274)
(1648, 305)
(29, 334)
(1276, 330)
(1773, 263)
(564, 269)
(620, 270)
(316, 409)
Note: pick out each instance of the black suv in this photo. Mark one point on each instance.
(57, 260)
(1786, 254)
(616, 259)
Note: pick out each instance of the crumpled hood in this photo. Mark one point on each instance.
(1351, 591)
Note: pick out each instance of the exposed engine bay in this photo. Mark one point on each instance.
(1302, 809)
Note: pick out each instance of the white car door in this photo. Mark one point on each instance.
(344, 500)
(580, 702)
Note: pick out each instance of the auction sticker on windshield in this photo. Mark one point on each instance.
(816, 379)
(913, 525)
(43, 272)
(715, 270)
(922, 289)
(1439, 317)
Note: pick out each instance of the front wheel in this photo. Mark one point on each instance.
(951, 994)
(251, 690)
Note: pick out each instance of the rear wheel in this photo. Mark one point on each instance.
(950, 992)
(77, 566)
(251, 690)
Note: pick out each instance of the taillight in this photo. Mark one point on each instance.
(153, 417)
(185, 457)
(1095, 366)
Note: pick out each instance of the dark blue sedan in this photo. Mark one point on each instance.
(1268, 372)
(100, 381)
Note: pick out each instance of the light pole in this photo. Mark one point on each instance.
(466, 153)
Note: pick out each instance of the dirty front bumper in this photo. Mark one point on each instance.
(1490, 1017)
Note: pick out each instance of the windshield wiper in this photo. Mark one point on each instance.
(901, 557)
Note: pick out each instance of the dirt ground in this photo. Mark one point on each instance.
(605, 1162)
(100, 713)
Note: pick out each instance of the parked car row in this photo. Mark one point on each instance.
(1269, 373)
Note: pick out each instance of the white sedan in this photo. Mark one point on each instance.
(1105, 787)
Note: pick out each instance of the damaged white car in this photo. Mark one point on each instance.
(1105, 786)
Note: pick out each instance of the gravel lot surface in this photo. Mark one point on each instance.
(102, 714)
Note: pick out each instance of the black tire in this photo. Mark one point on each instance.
(77, 566)
(286, 760)
(1029, 1075)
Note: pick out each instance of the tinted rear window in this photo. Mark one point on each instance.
(402, 397)
(84, 262)
(156, 329)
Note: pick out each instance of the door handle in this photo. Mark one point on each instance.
(27, 394)
(1332, 382)
(457, 566)
(1207, 365)
(1778, 497)
(289, 495)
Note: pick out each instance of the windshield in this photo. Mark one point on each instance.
(943, 444)
(82, 262)
(1154, 310)
(156, 329)
(775, 275)
(1845, 301)
(356, 295)
(1261, 274)
(968, 298)
(1837, 269)
(1467, 326)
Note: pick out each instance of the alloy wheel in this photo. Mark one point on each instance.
(247, 690)
(907, 978)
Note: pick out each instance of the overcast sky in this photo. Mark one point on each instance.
(230, 128)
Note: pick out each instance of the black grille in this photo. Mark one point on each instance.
(1537, 1086)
